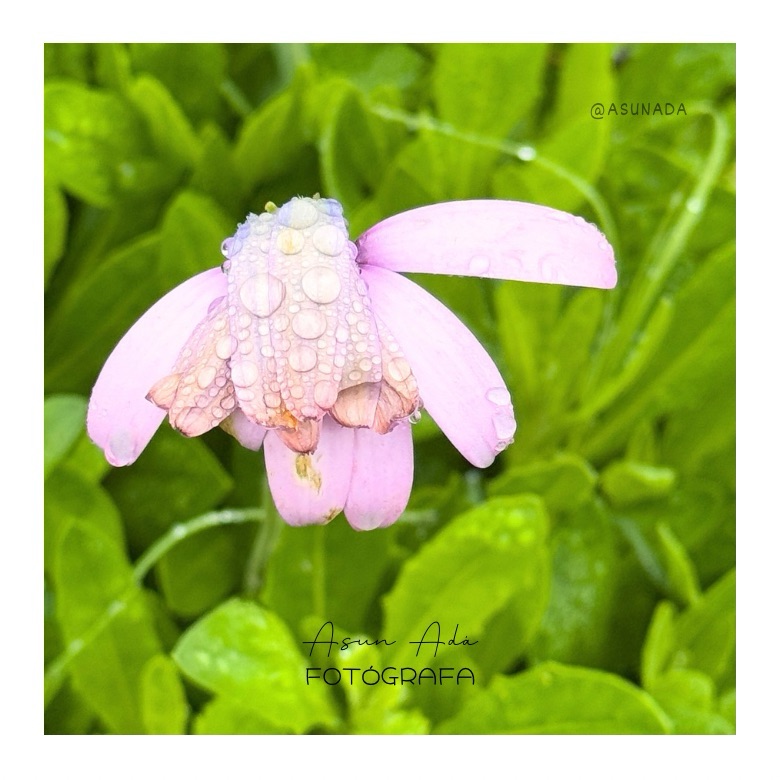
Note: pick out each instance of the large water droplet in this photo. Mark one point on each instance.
(398, 369)
(244, 373)
(290, 241)
(321, 284)
(302, 358)
(309, 323)
(226, 246)
(262, 294)
(206, 376)
(329, 240)
(325, 394)
(498, 396)
(504, 425)
(298, 213)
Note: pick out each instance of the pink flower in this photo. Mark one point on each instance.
(318, 348)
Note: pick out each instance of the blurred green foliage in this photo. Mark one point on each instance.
(593, 563)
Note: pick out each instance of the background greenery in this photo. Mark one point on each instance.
(593, 562)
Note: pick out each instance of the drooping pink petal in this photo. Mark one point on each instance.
(458, 382)
(311, 488)
(248, 434)
(120, 420)
(499, 239)
(381, 477)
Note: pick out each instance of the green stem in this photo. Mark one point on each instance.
(264, 543)
(523, 152)
(57, 669)
(666, 249)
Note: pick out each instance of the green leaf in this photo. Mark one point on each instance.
(94, 315)
(564, 482)
(215, 173)
(626, 483)
(174, 479)
(306, 573)
(108, 671)
(55, 226)
(193, 230)
(164, 705)
(169, 128)
(193, 72)
(272, 136)
(223, 715)
(201, 571)
(487, 88)
(680, 571)
(467, 573)
(246, 654)
(688, 697)
(70, 497)
(64, 418)
(556, 699)
(94, 142)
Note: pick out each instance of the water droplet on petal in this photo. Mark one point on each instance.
(321, 284)
(226, 346)
(505, 426)
(226, 246)
(399, 369)
(415, 417)
(290, 241)
(309, 323)
(244, 374)
(298, 213)
(206, 376)
(499, 396)
(325, 394)
(302, 358)
(262, 294)
(272, 400)
(329, 240)
(479, 265)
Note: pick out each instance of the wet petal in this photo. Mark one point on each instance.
(458, 382)
(381, 477)
(498, 239)
(199, 395)
(120, 420)
(311, 488)
(248, 434)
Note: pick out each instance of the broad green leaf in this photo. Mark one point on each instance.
(556, 699)
(169, 128)
(193, 230)
(371, 66)
(600, 601)
(193, 72)
(487, 88)
(55, 226)
(355, 150)
(201, 571)
(223, 715)
(306, 574)
(246, 654)
(67, 60)
(626, 482)
(112, 66)
(215, 173)
(163, 703)
(702, 637)
(94, 315)
(70, 497)
(272, 136)
(564, 482)
(688, 697)
(64, 418)
(94, 142)
(471, 570)
(174, 479)
(108, 672)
